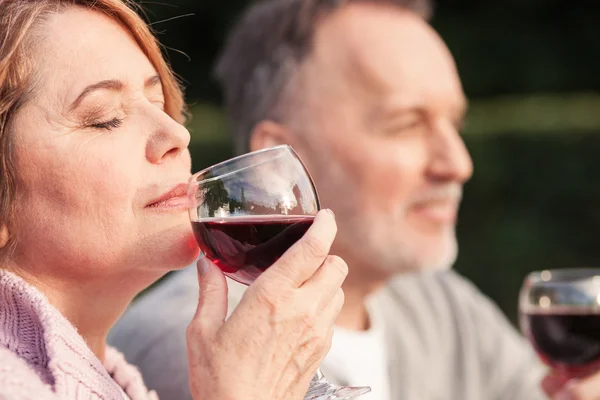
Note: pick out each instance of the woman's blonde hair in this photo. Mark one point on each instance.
(19, 19)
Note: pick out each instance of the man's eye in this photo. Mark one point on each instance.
(404, 126)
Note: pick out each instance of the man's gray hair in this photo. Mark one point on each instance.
(264, 50)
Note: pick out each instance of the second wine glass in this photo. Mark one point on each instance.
(560, 315)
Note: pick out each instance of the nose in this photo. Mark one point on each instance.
(168, 140)
(449, 157)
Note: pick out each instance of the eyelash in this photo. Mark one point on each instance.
(108, 125)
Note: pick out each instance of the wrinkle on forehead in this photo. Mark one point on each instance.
(76, 56)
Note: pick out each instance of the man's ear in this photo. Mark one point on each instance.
(268, 134)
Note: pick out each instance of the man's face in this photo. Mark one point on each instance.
(378, 130)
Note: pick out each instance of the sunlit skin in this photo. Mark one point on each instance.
(94, 148)
(102, 212)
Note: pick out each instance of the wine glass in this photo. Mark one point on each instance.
(246, 212)
(560, 315)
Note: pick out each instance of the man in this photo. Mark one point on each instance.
(369, 96)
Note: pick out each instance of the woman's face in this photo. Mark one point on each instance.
(94, 149)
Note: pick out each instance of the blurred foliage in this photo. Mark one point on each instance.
(534, 114)
(531, 70)
(532, 204)
(501, 46)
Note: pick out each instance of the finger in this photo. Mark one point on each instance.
(315, 363)
(327, 315)
(584, 389)
(305, 256)
(326, 282)
(332, 311)
(212, 300)
(317, 335)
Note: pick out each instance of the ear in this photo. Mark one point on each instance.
(268, 134)
(4, 236)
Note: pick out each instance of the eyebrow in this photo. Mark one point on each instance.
(111, 85)
(458, 110)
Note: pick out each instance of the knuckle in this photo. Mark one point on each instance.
(264, 297)
(190, 331)
(314, 247)
(308, 320)
(209, 289)
(316, 344)
(274, 301)
(338, 264)
(279, 276)
(323, 344)
(194, 331)
(309, 323)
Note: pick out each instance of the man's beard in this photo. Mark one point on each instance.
(387, 247)
(380, 244)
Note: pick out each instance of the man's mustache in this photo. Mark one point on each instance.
(442, 192)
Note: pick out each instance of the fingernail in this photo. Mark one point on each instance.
(203, 266)
(329, 211)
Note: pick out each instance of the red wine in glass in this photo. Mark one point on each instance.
(567, 339)
(560, 315)
(243, 247)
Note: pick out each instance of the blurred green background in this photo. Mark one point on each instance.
(531, 69)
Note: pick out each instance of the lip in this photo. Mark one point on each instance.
(440, 212)
(174, 198)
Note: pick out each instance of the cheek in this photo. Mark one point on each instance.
(187, 160)
(84, 176)
(384, 173)
(79, 193)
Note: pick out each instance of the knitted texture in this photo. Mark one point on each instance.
(42, 356)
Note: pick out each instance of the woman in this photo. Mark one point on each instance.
(93, 155)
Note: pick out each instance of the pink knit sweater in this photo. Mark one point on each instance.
(42, 357)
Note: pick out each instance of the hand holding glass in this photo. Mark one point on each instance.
(246, 212)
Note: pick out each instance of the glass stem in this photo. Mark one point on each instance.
(318, 376)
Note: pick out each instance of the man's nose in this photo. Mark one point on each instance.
(449, 158)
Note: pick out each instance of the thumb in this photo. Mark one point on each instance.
(212, 300)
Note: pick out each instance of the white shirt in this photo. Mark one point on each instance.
(359, 358)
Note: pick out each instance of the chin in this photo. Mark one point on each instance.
(441, 255)
(430, 253)
(183, 252)
(171, 249)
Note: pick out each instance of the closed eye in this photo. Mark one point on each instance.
(404, 125)
(108, 125)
